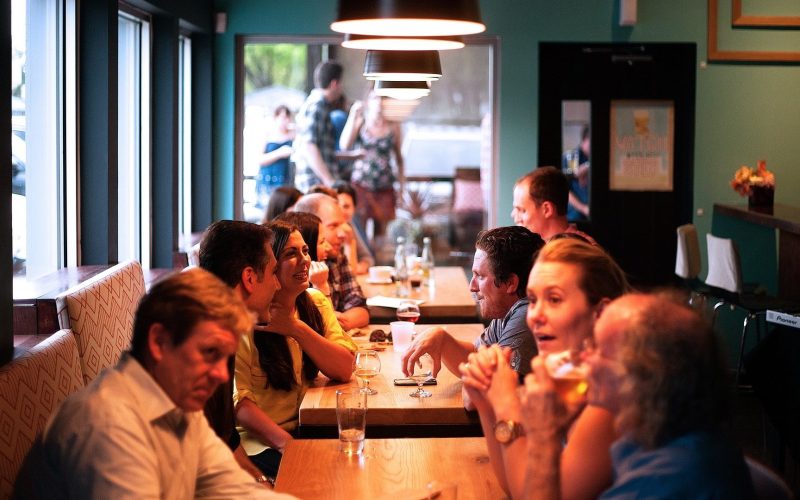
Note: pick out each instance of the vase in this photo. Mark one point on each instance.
(761, 199)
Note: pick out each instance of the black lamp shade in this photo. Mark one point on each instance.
(409, 17)
(402, 65)
(370, 42)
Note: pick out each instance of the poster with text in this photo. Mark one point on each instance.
(642, 135)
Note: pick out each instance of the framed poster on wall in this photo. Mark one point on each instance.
(641, 150)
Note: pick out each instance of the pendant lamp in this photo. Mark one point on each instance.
(402, 65)
(369, 42)
(414, 18)
(404, 91)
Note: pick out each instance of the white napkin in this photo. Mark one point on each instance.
(393, 302)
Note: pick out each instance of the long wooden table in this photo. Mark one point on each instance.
(393, 412)
(388, 468)
(449, 300)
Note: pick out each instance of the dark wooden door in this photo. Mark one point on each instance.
(637, 228)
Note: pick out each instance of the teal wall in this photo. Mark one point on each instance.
(744, 112)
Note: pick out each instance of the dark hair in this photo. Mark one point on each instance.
(511, 250)
(280, 200)
(229, 246)
(548, 184)
(585, 132)
(323, 189)
(308, 225)
(282, 108)
(274, 356)
(675, 372)
(326, 72)
(182, 300)
(343, 187)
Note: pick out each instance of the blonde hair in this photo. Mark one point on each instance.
(182, 300)
(600, 277)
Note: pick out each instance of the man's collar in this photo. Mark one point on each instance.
(153, 402)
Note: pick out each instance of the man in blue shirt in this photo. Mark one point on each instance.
(658, 367)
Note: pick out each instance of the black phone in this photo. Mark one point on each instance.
(408, 381)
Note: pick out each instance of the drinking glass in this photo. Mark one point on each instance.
(368, 365)
(408, 310)
(422, 371)
(569, 372)
(351, 417)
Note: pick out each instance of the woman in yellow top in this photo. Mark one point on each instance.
(276, 363)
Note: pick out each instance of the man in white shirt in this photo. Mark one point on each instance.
(138, 430)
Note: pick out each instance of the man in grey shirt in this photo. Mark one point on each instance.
(503, 260)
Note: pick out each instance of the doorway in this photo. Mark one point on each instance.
(635, 105)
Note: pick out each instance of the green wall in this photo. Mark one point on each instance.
(744, 112)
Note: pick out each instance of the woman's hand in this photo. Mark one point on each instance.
(282, 320)
(318, 276)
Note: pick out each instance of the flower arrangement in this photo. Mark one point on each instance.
(745, 179)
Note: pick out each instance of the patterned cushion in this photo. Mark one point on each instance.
(31, 388)
(100, 312)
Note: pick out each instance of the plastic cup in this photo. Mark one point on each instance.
(402, 332)
(351, 415)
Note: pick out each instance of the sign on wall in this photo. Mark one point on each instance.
(642, 136)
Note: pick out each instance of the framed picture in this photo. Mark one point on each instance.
(642, 137)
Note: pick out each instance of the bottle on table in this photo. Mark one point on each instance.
(401, 268)
(427, 261)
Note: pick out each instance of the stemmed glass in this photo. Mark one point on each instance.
(422, 372)
(408, 310)
(368, 364)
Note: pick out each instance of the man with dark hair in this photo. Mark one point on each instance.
(346, 295)
(503, 260)
(316, 137)
(137, 430)
(540, 203)
(659, 368)
(248, 267)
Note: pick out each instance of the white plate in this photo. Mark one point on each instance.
(387, 281)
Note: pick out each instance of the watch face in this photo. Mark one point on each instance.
(502, 432)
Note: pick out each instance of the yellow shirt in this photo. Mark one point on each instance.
(250, 381)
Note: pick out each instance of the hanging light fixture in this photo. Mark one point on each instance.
(408, 18)
(404, 91)
(370, 42)
(402, 65)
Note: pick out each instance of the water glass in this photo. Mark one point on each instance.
(351, 415)
(402, 334)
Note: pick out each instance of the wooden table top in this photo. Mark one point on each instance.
(388, 468)
(393, 404)
(449, 299)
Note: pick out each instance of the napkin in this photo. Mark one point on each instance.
(393, 302)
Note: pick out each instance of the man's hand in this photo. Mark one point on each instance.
(430, 341)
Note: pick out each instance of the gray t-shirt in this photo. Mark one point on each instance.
(512, 331)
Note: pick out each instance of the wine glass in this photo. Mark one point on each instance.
(569, 372)
(367, 364)
(408, 310)
(422, 372)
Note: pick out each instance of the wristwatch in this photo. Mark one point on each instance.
(506, 431)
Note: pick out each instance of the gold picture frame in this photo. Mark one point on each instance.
(715, 53)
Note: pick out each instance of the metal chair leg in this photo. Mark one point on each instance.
(742, 344)
(716, 312)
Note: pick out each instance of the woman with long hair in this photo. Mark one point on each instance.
(318, 247)
(277, 362)
(570, 284)
(280, 201)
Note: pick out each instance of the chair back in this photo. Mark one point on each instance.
(31, 388)
(766, 484)
(100, 312)
(687, 257)
(724, 267)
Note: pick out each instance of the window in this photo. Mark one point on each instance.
(43, 103)
(448, 137)
(185, 139)
(133, 200)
